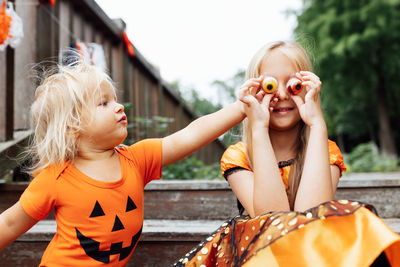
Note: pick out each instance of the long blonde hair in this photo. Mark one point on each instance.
(60, 102)
(301, 61)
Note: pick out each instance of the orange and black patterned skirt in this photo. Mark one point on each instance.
(336, 233)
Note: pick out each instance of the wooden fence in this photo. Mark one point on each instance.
(47, 30)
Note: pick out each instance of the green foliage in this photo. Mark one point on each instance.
(356, 45)
(191, 168)
(227, 89)
(155, 125)
(201, 106)
(366, 158)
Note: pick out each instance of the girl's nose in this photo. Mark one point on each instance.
(282, 92)
(119, 108)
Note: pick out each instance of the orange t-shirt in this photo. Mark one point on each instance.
(236, 156)
(98, 222)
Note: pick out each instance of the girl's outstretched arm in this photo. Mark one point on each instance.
(13, 223)
(200, 132)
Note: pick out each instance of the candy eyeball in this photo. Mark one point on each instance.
(294, 86)
(269, 84)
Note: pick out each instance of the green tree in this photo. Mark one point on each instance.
(201, 106)
(356, 45)
(227, 89)
(227, 93)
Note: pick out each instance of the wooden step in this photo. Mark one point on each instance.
(214, 200)
(162, 241)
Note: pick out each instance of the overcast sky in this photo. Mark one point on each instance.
(197, 42)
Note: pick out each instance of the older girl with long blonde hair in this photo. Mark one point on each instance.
(284, 174)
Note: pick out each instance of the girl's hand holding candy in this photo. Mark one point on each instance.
(309, 105)
(258, 104)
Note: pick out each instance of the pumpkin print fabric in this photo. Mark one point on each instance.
(98, 222)
(336, 233)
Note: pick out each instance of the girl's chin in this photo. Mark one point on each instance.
(283, 126)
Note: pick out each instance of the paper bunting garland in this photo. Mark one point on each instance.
(11, 27)
(93, 53)
(129, 45)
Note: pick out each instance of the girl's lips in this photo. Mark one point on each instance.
(282, 110)
(123, 119)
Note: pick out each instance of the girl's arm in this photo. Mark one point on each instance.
(319, 180)
(13, 223)
(200, 132)
(262, 190)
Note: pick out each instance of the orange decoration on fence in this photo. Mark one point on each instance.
(129, 45)
(52, 2)
(5, 22)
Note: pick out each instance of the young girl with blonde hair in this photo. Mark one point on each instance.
(284, 174)
(95, 186)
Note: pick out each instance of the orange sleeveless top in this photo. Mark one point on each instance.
(236, 156)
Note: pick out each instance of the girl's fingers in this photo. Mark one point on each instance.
(250, 84)
(309, 76)
(266, 101)
(248, 100)
(311, 85)
(273, 102)
(307, 73)
(311, 95)
(260, 95)
(298, 100)
(253, 91)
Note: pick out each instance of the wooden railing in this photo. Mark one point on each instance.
(49, 29)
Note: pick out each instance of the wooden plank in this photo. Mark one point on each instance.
(116, 67)
(9, 155)
(7, 94)
(3, 95)
(25, 56)
(162, 242)
(88, 31)
(131, 97)
(64, 25)
(125, 75)
(146, 254)
(56, 31)
(210, 200)
(98, 37)
(44, 34)
(77, 25)
(107, 53)
(136, 102)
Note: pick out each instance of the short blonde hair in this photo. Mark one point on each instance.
(60, 101)
(300, 59)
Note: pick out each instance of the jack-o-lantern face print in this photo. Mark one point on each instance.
(92, 247)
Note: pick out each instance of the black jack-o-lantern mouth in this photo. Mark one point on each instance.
(92, 247)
